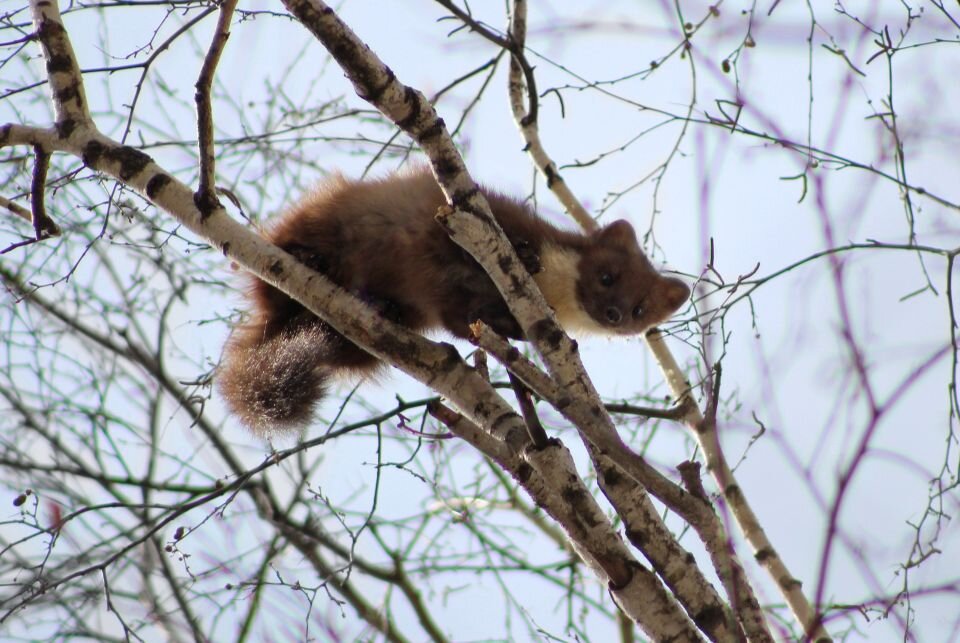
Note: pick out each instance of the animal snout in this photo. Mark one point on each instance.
(613, 314)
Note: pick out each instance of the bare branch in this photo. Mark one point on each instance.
(206, 193)
(43, 225)
(709, 442)
(522, 83)
(69, 100)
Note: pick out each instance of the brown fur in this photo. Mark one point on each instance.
(379, 240)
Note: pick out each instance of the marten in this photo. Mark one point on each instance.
(379, 240)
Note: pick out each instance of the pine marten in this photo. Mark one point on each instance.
(379, 240)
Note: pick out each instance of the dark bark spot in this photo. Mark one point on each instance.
(790, 583)
(206, 202)
(436, 128)
(275, 269)
(547, 331)
(763, 555)
(612, 476)
(461, 198)
(479, 409)
(132, 161)
(552, 175)
(576, 498)
(447, 167)
(413, 99)
(378, 91)
(66, 127)
(49, 28)
(638, 538)
(92, 152)
(156, 183)
(452, 357)
(524, 471)
(732, 493)
(709, 618)
(58, 63)
(340, 51)
(68, 93)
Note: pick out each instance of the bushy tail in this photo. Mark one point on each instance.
(274, 385)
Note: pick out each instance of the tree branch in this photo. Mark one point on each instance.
(206, 198)
(709, 441)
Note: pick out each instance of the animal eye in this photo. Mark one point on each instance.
(606, 279)
(638, 311)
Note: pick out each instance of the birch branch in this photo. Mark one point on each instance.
(716, 462)
(549, 476)
(628, 498)
(709, 441)
(522, 82)
(603, 436)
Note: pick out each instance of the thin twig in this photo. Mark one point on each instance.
(43, 226)
(537, 434)
(206, 197)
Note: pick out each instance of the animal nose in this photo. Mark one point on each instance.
(613, 315)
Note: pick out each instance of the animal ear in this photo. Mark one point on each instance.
(618, 232)
(674, 292)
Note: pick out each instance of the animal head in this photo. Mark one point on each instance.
(619, 288)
